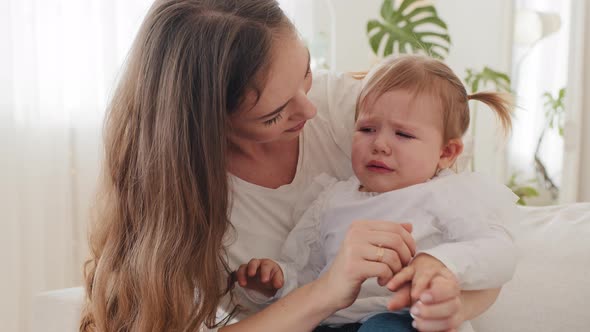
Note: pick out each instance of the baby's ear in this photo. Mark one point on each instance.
(449, 153)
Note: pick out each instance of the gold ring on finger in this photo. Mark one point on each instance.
(380, 253)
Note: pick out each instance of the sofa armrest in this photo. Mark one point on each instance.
(58, 311)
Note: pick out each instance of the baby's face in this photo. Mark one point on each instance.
(398, 141)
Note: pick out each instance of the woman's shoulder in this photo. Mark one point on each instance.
(335, 97)
(334, 93)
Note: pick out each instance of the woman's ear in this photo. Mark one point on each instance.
(449, 153)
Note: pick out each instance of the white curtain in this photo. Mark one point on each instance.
(576, 178)
(538, 67)
(58, 64)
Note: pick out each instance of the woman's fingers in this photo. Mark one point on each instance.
(391, 241)
(370, 249)
(408, 227)
(382, 255)
(384, 234)
(375, 269)
(389, 228)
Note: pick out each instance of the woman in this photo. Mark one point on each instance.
(209, 138)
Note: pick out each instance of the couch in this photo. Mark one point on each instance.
(550, 290)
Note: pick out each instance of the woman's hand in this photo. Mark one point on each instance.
(434, 292)
(370, 249)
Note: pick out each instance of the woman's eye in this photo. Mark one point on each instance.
(404, 135)
(274, 120)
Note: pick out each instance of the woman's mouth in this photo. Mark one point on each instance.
(297, 127)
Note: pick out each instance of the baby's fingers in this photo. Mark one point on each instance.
(253, 266)
(421, 282)
(277, 278)
(267, 269)
(401, 298)
(240, 275)
(400, 278)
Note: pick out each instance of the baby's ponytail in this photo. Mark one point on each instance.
(501, 103)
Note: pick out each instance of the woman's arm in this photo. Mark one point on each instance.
(301, 310)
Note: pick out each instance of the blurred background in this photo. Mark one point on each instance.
(59, 61)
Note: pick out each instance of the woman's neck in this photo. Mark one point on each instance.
(269, 165)
(257, 151)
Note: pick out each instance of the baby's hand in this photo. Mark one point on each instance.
(262, 275)
(433, 292)
(419, 275)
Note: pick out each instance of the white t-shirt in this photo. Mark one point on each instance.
(455, 217)
(263, 217)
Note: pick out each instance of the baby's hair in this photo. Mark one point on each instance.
(423, 75)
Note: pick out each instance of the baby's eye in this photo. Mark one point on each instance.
(366, 129)
(404, 135)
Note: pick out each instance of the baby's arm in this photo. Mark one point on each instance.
(469, 212)
(481, 260)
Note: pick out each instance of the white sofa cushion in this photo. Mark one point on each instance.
(549, 292)
(58, 311)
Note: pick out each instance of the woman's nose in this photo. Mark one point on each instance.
(305, 110)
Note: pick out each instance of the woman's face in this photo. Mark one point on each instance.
(283, 108)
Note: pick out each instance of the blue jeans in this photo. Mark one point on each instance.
(384, 322)
(389, 322)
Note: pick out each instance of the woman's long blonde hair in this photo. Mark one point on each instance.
(158, 260)
(424, 75)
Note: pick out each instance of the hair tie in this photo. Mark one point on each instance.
(469, 97)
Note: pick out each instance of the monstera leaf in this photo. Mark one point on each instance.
(500, 80)
(410, 27)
